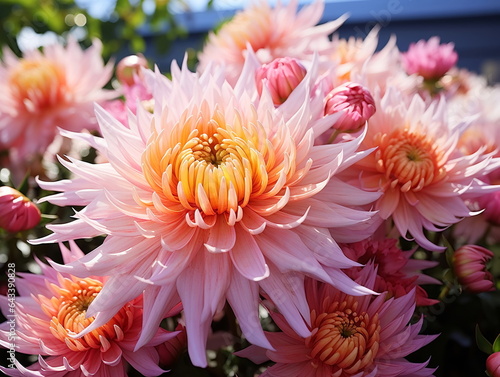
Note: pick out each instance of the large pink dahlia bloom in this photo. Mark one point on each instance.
(351, 336)
(45, 90)
(424, 180)
(212, 196)
(51, 309)
(270, 32)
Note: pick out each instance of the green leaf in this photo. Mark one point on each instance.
(450, 251)
(482, 343)
(496, 344)
(24, 185)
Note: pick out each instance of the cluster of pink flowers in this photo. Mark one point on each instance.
(291, 171)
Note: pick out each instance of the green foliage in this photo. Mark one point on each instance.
(123, 30)
(482, 343)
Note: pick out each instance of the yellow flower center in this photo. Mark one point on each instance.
(409, 160)
(68, 311)
(208, 165)
(342, 338)
(37, 83)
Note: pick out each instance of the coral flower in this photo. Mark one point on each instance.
(46, 90)
(271, 33)
(17, 212)
(430, 59)
(469, 264)
(350, 336)
(397, 274)
(213, 196)
(51, 309)
(424, 181)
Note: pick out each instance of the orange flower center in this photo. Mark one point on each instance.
(37, 84)
(342, 338)
(68, 311)
(207, 165)
(409, 160)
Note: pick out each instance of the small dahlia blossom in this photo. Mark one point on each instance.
(17, 212)
(493, 364)
(135, 89)
(51, 309)
(135, 94)
(351, 336)
(281, 76)
(45, 90)
(212, 196)
(424, 182)
(429, 59)
(270, 32)
(397, 274)
(483, 135)
(355, 104)
(357, 60)
(129, 68)
(469, 264)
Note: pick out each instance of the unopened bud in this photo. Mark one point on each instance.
(354, 102)
(130, 67)
(281, 76)
(17, 212)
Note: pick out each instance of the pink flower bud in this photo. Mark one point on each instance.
(493, 364)
(170, 351)
(129, 67)
(491, 204)
(469, 263)
(17, 212)
(430, 60)
(281, 76)
(356, 103)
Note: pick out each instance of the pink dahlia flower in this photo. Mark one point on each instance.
(469, 264)
(270, 32)
(135, 90)
(424, 181)
(351, 336)
(281, 76)
(357, 60)
(46, 90)
(137, 93)
(429, 59)
(397, 274)
(17, 212)
(212, 196)
(484, 136)
(51, 309)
